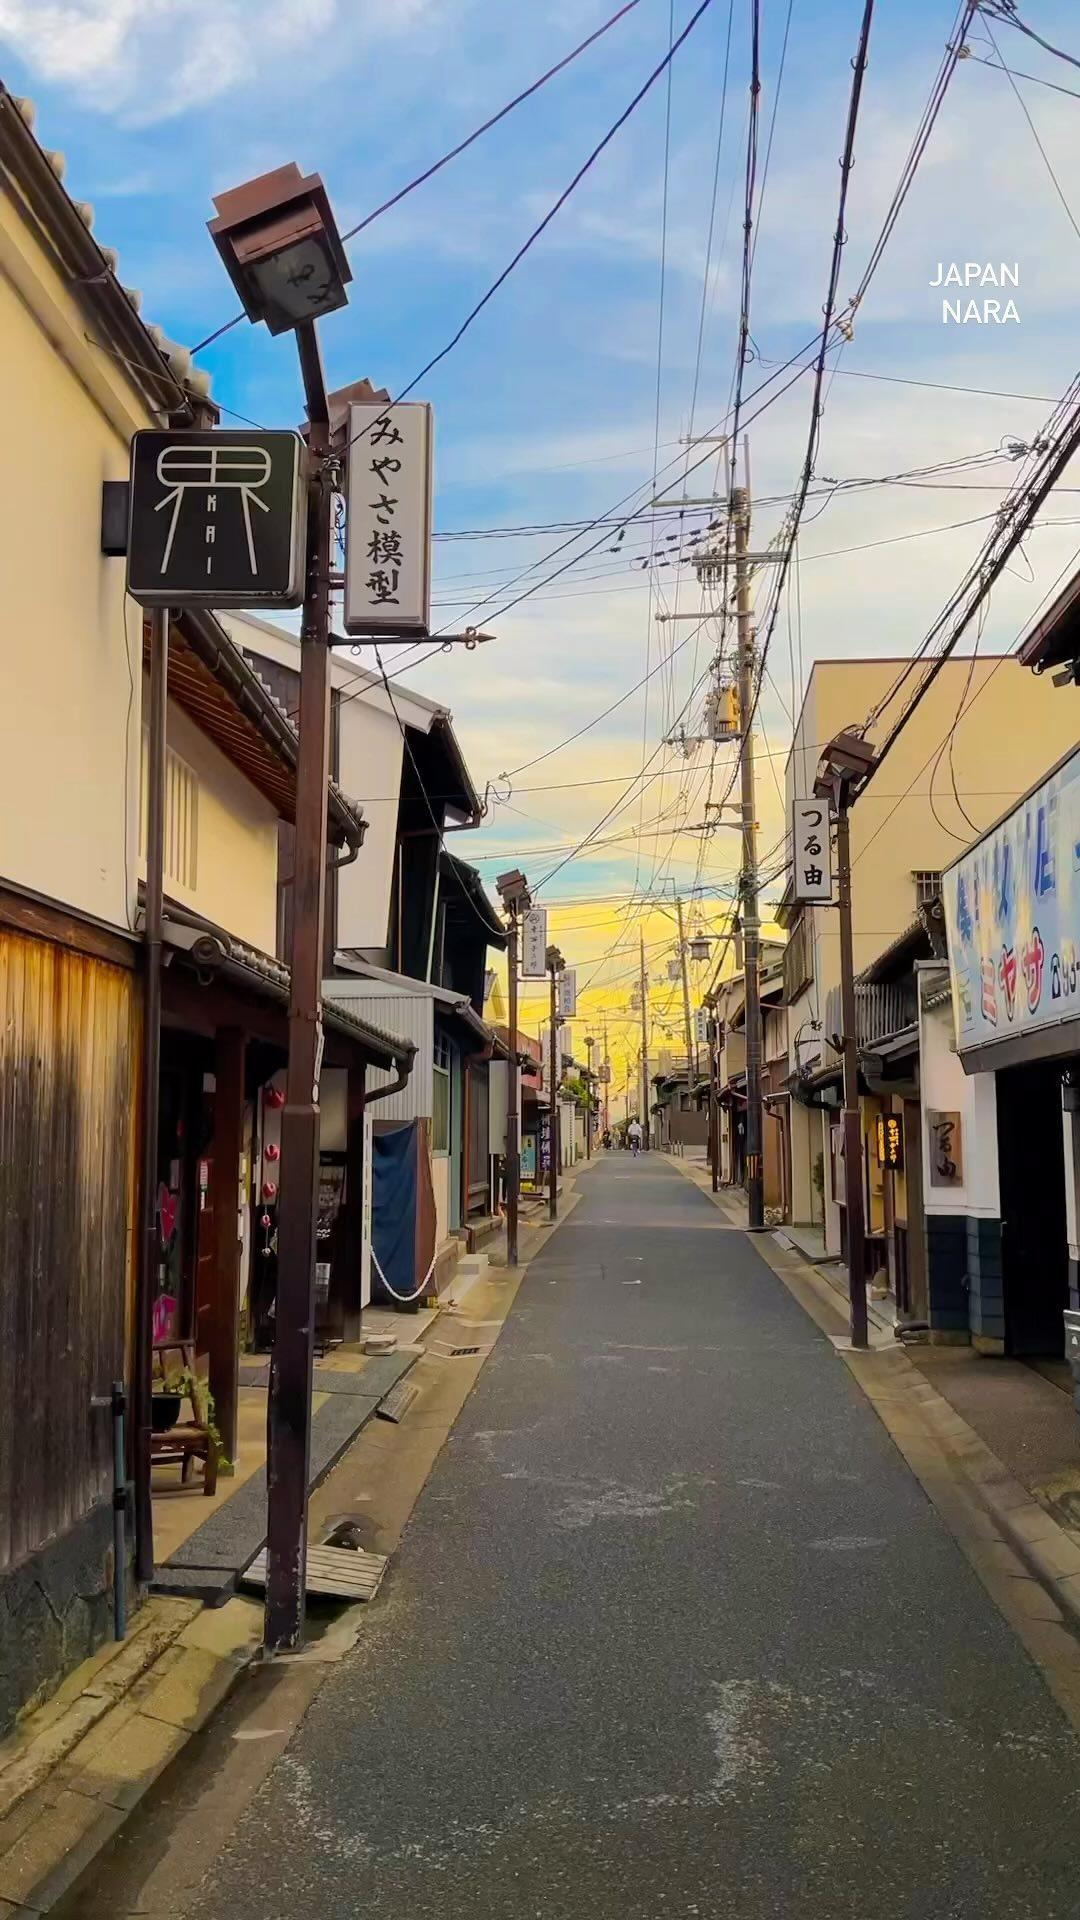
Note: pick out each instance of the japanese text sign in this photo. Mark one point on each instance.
(946, 1159)
(890, 1141)
(1011, 917)
(811, 851)
(534, 944)
(388, 530)
(568, 993)
(216, 519)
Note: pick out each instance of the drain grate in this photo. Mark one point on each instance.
(339, 1572)
(461, 1353)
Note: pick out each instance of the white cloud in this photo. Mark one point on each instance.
(146, 60)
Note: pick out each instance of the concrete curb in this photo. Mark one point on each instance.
(1050, 1550)
(85, 1765)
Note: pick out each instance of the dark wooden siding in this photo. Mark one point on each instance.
(68, 1059)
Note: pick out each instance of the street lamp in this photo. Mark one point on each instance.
(842, 772)
(281, 248)
(590, 1042)
(282, 251)
(513, 890)
(555, 963)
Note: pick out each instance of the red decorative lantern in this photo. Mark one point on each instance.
(274, 1098)
(269, 1191)
(272, 1152)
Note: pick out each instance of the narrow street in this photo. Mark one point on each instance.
(673, 1631)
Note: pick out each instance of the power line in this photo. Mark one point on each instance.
(1006, 10)
(437, 166)
(1048, 164)
(1018, 510)
(549, 216)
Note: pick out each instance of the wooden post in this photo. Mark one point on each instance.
(289, 1409)
(853, 1149)
(223, 1315)
(149, 1240)
(350, 1245)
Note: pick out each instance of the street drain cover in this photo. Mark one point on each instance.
(339, 1572)
(459, 1353)
(397, 1402)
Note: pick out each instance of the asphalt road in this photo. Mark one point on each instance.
(673, 1631)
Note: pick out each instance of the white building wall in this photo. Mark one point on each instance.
(946, 1088)
(70, 665)
(236, 842)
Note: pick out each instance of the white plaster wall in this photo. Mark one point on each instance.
(946, 1088)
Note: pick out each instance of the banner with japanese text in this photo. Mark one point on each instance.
(1012, 917)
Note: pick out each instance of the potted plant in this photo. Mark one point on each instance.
(182, 1385)
(164, 1406)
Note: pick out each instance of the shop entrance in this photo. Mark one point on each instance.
(1031, 1159)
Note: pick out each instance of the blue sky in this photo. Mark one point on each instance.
(547, 410)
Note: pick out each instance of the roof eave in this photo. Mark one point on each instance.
(83, 266)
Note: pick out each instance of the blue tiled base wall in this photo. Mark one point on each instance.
(963, 1269)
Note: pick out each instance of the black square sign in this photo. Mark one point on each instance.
(217, 519)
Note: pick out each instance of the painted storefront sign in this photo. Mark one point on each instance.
(1012, 912)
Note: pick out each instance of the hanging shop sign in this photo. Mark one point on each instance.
(890, 1141)
(534, 944)
(567, 997)
(388, 528)
(811, 852)
(1011, 917)
(946, 1156)
(701, 1026)
(216, 519)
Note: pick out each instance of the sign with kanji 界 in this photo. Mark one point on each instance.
(216, 519)
(388, 526)
(534, 944)
(811, 852)
(568, 993)
(890, 1141)
(946, 1159)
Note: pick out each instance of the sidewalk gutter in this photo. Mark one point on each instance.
(926, 1428)
(74, 1771)
(207, 1566)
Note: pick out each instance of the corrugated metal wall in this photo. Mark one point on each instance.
(408, 1016)
(68, 1060)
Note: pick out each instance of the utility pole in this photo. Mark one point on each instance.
(691, 1044)
(740, 514)
(589, 1045)
(606, 1064)
(514, 893)
(646, 1125)
(555, 966)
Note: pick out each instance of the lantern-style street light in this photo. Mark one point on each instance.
(282, 251)
(281, 248)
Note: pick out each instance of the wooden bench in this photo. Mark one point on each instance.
(188, 1440)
